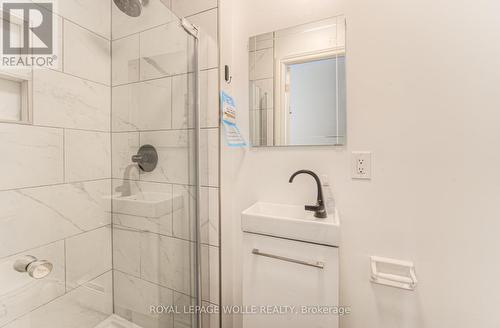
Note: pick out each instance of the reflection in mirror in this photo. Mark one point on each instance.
(298, 85)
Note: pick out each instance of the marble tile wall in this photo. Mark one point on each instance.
(152, 103)
(55, 181)
(56, 186)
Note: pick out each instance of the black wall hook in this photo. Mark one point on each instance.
(227, 74)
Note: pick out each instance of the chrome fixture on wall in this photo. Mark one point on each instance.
(36, 269)
(133, 8)
(146, 158)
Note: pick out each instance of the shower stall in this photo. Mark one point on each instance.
(109, 181)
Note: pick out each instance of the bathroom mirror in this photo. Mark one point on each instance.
(298, 85)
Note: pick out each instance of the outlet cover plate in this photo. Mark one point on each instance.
(361, 165)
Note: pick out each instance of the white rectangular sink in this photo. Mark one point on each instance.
(147, 204)
(291, 222)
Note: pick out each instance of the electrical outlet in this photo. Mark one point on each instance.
(361, 166)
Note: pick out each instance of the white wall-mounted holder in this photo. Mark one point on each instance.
(397, 273)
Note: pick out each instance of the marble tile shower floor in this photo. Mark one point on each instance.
(115, 321)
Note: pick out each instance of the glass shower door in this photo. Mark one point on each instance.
(155, 214)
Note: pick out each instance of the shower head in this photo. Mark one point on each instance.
(133, 8)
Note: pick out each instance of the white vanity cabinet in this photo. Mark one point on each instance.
(301, 276)
(290, 267)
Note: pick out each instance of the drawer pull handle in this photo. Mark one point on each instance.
(315, 264)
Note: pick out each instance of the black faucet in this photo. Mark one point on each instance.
(318, 209)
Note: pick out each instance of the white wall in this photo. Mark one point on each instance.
(422, 95)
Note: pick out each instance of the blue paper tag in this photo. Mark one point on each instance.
(231, 131)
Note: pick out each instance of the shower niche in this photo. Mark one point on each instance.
(15, 98)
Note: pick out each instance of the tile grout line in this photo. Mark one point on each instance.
(159, 285)
(55, 184)
(202, 12)
(145, 30)
(64, 155)
(139, 59)
(63, 71)
(58, 127)
(128, 228)
(78, 24)
(164, 130)
(167, 183)
(171, 102)
(174, 20)
(65, 268)
(161, 77)
(55, 241)
(63, 43)
(111, 205)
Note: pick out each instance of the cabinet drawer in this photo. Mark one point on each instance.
(280, 272)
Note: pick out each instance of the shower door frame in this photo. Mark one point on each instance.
(193, 31)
